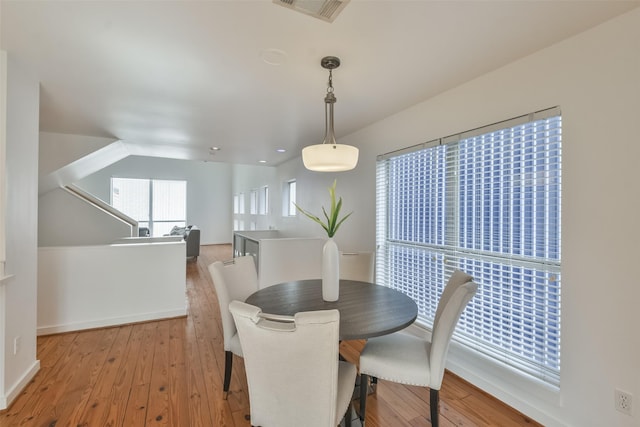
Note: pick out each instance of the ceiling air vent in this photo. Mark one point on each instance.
(327, 10)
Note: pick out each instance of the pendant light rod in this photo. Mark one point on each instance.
(330, 156)
(329, 133)
(329, 63)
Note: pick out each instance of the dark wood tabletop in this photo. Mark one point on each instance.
(366, 310)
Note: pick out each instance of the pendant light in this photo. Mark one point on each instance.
(329, 156)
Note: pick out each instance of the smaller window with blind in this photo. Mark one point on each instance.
(263, 201)
(486, 202)
(253, 202)
(289, 198)
(241, 204)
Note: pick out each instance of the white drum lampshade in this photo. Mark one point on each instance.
(330, 157)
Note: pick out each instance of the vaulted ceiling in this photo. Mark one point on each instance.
(175, 78)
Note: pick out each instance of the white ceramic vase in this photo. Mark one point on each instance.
(330, 271)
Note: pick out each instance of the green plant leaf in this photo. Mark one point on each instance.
(312, 216)
(332, 222)
(341, 221)
(326, 216)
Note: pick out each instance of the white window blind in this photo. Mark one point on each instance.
(157, 204)
(263, 201)
(289, 198)
(241, 203)
(133, 197)
(169, 206)
(486, 202)
(253, 202)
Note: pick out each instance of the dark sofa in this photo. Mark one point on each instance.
(191, 236)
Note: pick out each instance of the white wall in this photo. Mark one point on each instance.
(286, 259)
(595, 79)
(247, 178)
(69, 158)
(19, 292)
(147, 284)
(357, 189)
(208, 189)
(58, 150)
(3, 177)
(67, 220)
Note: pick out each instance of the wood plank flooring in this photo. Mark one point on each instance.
(169, 373)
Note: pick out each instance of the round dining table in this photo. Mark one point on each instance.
(366, 310)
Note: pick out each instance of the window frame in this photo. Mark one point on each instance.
(451, 230)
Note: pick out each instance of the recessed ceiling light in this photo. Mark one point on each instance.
(281, 150)
(262, 161)
(214, 148)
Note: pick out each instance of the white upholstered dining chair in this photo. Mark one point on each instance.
(293, 372)
(405, 359)
(234, 280)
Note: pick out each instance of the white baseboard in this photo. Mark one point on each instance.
(17, 388)
(115, 321)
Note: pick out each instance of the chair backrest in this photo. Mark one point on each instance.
(357, 266)
(233, 281)
(457, 279)
(458, 292)
(291, 364)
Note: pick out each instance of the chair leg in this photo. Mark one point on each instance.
(347, 415)
(434, 401)
(228, 362)
(364, 385)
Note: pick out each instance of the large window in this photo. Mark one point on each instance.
(157, 204)
(486, 202)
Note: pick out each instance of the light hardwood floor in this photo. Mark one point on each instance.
(169, 373)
